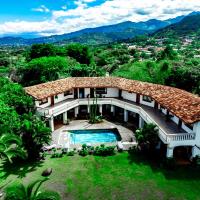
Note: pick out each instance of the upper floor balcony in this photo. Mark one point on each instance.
(169, 131)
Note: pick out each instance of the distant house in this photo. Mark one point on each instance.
(175, 112)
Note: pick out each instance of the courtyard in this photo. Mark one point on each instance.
(60, 137)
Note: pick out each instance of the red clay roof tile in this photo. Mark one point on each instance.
(183, 104)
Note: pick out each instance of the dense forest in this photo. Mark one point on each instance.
(159, 61)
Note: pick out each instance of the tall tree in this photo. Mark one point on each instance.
(14, 96)
(9, 120)
(43, 69)
(35, 135)
(41, 50)
(80, 52)
(167, 53)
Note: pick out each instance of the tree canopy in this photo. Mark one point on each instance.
(42, 69)
(41, 50)
(80, 52)
(19, 124)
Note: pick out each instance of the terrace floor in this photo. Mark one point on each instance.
(168, 126)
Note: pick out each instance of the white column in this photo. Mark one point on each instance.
(170, 152)
(196, 130)
(113, 109)
(76, 111)
(65, 117)
(195, 151)
(78, 93)
(125, 115)
(141, 122)
(88, 109)
(51, 124)
(100, 109)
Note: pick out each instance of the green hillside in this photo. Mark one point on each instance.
(189, 26)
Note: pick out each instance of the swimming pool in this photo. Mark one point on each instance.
(94, 136)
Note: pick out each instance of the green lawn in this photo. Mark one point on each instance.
(116, 177)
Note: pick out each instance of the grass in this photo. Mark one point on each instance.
(116, 177)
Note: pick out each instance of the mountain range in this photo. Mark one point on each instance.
(111, 33)
(189, 25)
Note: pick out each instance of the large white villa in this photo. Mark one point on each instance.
(175, 112)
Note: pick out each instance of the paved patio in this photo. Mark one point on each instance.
(60, 137)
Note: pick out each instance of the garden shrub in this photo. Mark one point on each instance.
(56, 154)
(196, 161)
(44, 155)
(90, 150)
(134, 150)
(71, 153)
(98, 151)
(104, 151)
(64, 151)
(84, 150)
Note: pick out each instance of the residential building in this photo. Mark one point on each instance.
(175, 112)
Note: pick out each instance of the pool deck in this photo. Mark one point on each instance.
(60, 136)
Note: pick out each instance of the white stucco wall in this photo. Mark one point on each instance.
(129, 96)
(150, 104)
(174, 118)
(164, 111)
(87, 92)
(61, 97)
(187, 129)
(112, 92)
(43, 105)
(196, 129)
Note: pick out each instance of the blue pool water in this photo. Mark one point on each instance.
(94, 136)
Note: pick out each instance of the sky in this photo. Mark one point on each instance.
(51, 17)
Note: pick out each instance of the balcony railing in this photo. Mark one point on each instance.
(69, 104)
(181, 137)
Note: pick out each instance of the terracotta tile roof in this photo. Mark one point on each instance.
(183, 104)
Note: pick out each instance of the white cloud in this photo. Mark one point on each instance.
(24, 26)
(109, 12)
(88, 1)
(42, 8)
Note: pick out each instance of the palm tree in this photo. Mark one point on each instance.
(11, 147)
(35, 135)
(18, 191)
(147, 136)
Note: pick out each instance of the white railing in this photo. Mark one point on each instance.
(64, 107)
(165, 137)
(162, 135)
(181, 137)
(43, 111)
